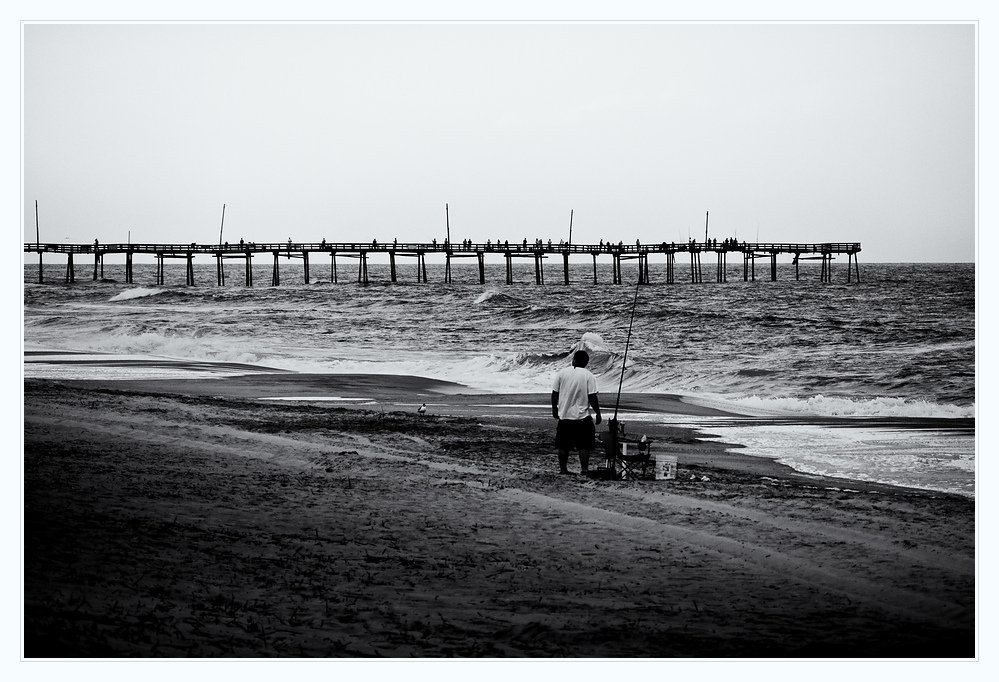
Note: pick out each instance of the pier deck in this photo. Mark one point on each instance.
(540, 251)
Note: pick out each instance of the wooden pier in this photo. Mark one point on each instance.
(539, 251)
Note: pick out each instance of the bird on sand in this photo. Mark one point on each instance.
(423, 409)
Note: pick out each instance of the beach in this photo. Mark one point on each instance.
(219, 518)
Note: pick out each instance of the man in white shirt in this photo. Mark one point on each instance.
(574, 393)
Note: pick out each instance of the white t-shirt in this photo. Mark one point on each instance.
(574, 386)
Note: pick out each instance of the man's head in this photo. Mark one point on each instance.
(580, 359)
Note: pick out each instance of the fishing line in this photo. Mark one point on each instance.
(627, 343)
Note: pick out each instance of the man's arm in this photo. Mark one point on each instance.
(555, 404)
(595, 404)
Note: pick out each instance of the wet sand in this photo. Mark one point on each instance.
(191, 518)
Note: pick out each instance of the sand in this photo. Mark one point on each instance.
(193, 519)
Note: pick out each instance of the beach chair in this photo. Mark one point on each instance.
(627, 458)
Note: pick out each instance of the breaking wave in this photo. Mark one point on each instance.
(139, 292)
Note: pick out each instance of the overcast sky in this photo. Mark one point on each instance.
(784, 132)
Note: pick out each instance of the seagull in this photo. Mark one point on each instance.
(423, 409)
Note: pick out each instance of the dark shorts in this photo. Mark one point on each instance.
(572, 434)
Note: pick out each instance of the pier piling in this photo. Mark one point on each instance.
(362, 268)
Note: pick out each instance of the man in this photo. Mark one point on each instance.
(574, 392)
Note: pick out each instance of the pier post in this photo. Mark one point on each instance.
(190, 269)
(797, 257)
(509, 268)
(362, 268)
(594, 267)
(70, 272)
(565, 266)
(219, 270)
(249, 269)
(159, 269)
(745, 266)
(305, 265)
(482, 266)
(447, 266)
(423, 266)
(333, 267)
(275, 271)
(670, 263)
(773, 266)
(616, 267)
(392, 266)
(128, 267)
(98, 260)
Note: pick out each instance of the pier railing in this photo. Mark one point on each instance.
(443, 247)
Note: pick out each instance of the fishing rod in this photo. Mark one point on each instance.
(627, 343)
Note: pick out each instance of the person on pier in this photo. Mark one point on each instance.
(574, 394)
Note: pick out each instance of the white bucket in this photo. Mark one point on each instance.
(665, 467)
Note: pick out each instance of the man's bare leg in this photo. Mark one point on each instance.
(584, 460)
(563, 461)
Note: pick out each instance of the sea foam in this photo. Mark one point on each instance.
(823, 406)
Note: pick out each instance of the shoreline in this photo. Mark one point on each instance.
(445, 398)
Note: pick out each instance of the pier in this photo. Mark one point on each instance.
(539, 251)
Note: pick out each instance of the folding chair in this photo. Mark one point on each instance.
(627, 458)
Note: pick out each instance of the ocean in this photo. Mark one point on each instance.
(872, 380)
